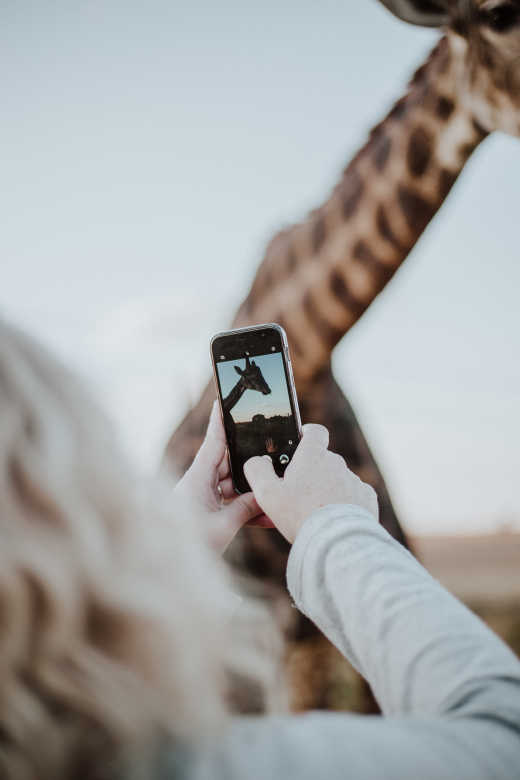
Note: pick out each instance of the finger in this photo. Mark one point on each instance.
(227, 489)
(239, 511)
(262, 521)
(261, 476)
(213, 447)
(223, 467)
(215, 426)
(314, 437)
(372, 501)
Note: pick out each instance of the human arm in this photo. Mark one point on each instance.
(449, 687)
(422, 650)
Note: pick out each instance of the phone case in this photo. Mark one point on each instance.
(289, 378)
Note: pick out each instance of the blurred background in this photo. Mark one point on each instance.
(150, 150)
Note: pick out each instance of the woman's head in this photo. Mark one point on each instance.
(111, 633)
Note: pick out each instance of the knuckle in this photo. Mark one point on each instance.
(370, 491)
(371, 496)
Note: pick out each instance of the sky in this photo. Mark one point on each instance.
(251, 403)
(150, 150)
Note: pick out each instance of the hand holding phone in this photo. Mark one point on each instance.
(257, 398)
(206, 493)
(317, 477)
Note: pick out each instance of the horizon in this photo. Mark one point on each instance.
(252, 402)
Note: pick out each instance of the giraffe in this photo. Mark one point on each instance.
(318, 277)
(251, 378)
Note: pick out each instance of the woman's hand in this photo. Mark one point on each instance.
(314, 478)
(207, 490)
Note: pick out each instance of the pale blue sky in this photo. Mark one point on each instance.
(149, 152)
(253, 402)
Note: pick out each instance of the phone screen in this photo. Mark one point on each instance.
(258, 406)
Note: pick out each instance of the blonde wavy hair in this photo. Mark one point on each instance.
(114, 633)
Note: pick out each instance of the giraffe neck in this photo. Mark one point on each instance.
(233, 397)
(318, 277)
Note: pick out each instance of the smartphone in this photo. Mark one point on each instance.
(257, 398)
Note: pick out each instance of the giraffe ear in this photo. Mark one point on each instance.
(238, 370)
(426, 13)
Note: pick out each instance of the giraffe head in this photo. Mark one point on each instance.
(252, 378)
(484, 37)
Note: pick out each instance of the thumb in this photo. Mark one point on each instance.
(263, 480)
(214, 444)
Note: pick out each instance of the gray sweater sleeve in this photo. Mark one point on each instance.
(449, 687)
